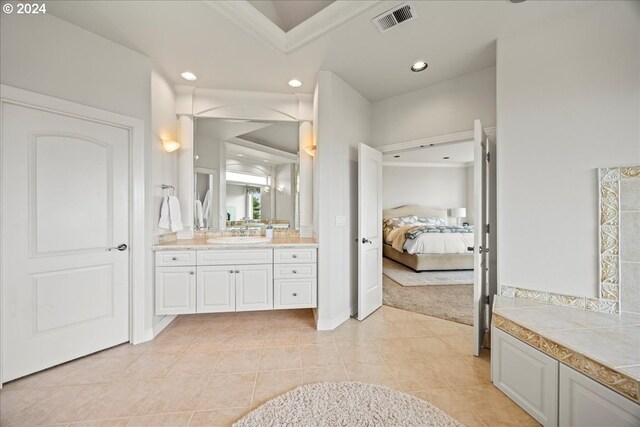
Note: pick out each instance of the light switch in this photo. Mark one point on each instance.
(341, 221)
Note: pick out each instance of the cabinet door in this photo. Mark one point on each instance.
(254, 287)
(175, 290)
(585, 403)
(526, 375)
(216, 289)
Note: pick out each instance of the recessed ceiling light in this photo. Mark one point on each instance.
(240, 155)
(446, 158)
(419, 66)
(396, 156)
(517, 1)
(188, 75)
(295, 83)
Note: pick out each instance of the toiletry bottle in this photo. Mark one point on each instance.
(269, 231)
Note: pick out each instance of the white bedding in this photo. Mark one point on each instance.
(440, 243)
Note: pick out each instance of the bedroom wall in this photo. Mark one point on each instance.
(568, 103)
(342, 118)
(444, 188)
(436, 110)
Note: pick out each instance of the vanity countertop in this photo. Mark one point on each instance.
(605, 347)
(202, 244)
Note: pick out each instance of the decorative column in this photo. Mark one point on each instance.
(185, 174)
(306, 146)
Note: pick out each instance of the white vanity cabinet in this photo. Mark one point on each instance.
(227, 280)
(553, 393)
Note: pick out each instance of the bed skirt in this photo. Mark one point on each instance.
(424, 262)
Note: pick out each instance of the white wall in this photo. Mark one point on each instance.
(284, 198)
(568, 103)
(44, 54)
(236, 198)
(444, 188)
(343, 120)
(470, 196)
(436, 110)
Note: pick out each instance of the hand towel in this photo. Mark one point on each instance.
(174, 214)
(198, 213)
(165, 219)
(206, 207)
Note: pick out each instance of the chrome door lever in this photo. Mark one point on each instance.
(365, 240)
(120, 248)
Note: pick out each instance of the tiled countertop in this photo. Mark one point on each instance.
(202, 244)
(605, 347)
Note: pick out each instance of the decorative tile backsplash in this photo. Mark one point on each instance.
(619, 249)
(165, 238)
(277, 232)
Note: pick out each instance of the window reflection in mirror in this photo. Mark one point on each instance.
(251, 171)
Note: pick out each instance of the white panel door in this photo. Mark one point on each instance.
(480, 265)
(369, 230)
(254, 287)
(65, 203)
(175, 290)
(216, 290)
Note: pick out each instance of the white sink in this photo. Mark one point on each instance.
(238, 240)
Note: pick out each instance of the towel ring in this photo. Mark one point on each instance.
(171, 190)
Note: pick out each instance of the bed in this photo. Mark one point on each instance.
(424, 247)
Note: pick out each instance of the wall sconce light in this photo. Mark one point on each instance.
(280, 188)
(170, 146)
(311, 150)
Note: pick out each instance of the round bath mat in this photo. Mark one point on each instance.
(346, 404)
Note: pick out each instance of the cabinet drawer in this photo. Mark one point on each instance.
(175, 258)
(293, 255)
(235, 257)
(294, 271)
(294, 293)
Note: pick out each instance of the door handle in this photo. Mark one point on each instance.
(365, 240)
(481, 250)
(120, 248)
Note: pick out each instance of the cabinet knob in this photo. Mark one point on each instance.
(231, 271)
(295, 295)
(294, 256)
(174, 258)
(294, 272)
(192, 273)
(237, 271)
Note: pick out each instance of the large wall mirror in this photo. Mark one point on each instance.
(246, 174)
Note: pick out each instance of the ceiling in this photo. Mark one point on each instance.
(287, 14)
(460, 154)
(454, 37)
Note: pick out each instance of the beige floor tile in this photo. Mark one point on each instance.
(281, 337)
(245, 360)
(278, 358)
(195, 364)
(354, 353)
(122, 350)
(174, 394)
(114, 422)
(15, 401)
(115, 400)
(97, 370)
(417, 375)
(494, 408)
(245, 339)
(315, 356)
(458, 344)
(327, 373)
(228, 391)
(180, 419)
(274, 383)
(218, 418)
(373, 374)
(313, 337)
(458, 372)
(150, 366)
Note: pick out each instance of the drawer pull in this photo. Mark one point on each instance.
(231, 271)
(294, 256)
(175, 258)
(294, 294)
(192, 273)
(294, 272)
(237, 271)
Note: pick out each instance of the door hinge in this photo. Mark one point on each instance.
(488, 299)
(488, 228)
(488, 157)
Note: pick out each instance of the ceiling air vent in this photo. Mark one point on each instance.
(393, 17)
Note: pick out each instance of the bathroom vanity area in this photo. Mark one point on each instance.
(197, 276)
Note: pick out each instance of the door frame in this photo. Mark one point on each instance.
(137, 248)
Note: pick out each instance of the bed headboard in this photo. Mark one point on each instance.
(414, 210)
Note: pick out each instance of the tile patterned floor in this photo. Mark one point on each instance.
(211, 369)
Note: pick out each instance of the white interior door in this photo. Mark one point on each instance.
(480, 290)
(369, 230)
(65, 200)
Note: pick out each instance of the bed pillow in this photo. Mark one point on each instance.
(432, 220)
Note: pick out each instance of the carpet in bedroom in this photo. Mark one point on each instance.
(449, 302)
(406, 276)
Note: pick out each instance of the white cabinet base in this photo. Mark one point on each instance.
(175, 290)
(526, 375)
(585, 403)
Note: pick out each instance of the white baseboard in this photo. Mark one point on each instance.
(159, 327)
(331, 324)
